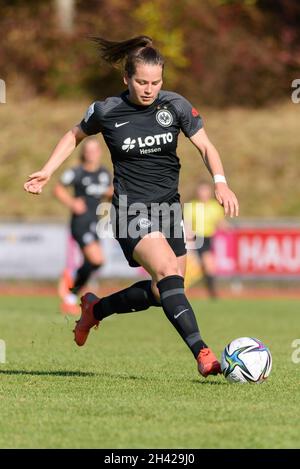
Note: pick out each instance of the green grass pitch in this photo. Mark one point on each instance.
(135, 383)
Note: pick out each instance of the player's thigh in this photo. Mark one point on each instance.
(93, 252)
(154, 253)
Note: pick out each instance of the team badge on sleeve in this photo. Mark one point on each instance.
(89, 112)
(164, 118)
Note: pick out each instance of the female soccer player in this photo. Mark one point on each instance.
(91, 183)
(141, 128)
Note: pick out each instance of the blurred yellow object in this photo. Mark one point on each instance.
(204, 217)
(193, 270)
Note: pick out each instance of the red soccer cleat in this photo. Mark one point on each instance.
(87, 319)
(208, 363)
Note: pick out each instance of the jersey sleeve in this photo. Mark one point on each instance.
(68, 177)
(91, 124)
(190, 120)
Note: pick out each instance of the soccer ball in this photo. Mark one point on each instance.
(246, 360)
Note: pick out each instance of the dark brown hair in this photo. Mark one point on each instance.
(131, 52)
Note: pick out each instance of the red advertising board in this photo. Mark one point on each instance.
(258, 251)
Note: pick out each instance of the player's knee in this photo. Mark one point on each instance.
(167, 268)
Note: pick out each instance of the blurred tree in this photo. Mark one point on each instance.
(166, 33)
(221, 52)
(230, 2)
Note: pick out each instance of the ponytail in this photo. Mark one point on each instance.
(136, 50)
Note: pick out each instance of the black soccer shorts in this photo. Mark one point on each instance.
(131, 224)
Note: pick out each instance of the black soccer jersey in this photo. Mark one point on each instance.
(142, 141)
(89, 185)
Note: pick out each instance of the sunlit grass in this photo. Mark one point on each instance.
(135, 383)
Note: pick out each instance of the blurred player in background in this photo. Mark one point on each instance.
(91, 184)
(203, 233)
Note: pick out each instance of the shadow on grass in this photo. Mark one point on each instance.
(209, 383)
(128, 377)
(47, 373)
(112, 376)
(71, 374)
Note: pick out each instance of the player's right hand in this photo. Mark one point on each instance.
(78, 206)
(36, 182)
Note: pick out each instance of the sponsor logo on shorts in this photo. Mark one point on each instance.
(144, 223)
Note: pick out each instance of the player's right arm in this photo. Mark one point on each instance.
(61, 152)
(90, 125)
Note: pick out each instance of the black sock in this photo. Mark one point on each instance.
(179, 312)
(138, 297)
(83, 274)
(211, 285)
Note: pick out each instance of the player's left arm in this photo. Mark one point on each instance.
(213, 162)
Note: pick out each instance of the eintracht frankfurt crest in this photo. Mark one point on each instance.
(164, 118)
